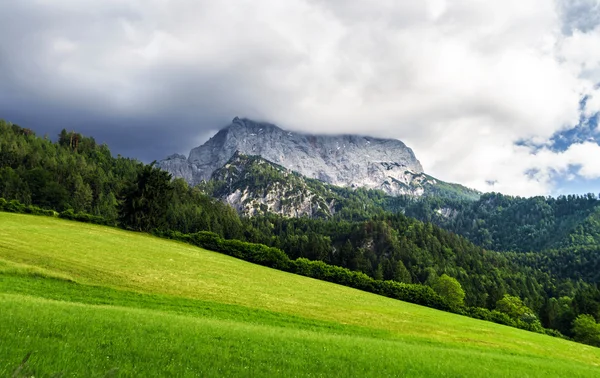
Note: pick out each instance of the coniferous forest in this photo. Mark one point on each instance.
(533, 260)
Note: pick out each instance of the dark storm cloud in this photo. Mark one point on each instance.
(146, 138)
(189, 107)
(63, 67)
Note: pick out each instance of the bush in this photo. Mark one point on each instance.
(15, 206)
(554, 333)
(491, 316)
(85, 218)
(449, 288)
(502, 318)
(331, 273)
(513, 307)
(252, 252)
(414, 293)
(479, 313)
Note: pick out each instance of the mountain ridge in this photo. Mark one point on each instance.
(343, 160)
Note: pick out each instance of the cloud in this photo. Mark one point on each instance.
(459, 81)
(582, 15)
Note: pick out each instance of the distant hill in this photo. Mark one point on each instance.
(255, 186)
(507, 223)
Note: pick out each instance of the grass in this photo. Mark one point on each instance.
(93, 301)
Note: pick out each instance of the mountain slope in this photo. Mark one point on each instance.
(507, 223)
(255, 186)
(343, 160)
(150, 307)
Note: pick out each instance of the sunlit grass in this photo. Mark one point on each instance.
(130, 286)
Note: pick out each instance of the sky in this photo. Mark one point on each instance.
(496, 95)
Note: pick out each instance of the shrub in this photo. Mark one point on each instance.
(14, 206)
(85, 218)
(479, 313)
(513, 307)
(502, 318)
(554, 333)
(586, 330)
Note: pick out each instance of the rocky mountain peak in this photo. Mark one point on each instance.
(342, 160)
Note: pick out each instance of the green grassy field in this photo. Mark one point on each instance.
(91, 301)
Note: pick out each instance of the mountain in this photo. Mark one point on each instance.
(342, 160)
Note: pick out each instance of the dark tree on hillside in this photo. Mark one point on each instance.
(145, 202)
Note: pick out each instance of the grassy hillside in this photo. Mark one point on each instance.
(93, 301)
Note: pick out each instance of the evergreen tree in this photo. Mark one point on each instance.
(145, 202)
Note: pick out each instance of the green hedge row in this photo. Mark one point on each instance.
(502, 318)
(15, 206)
(413, 293)
(254, 253)
(85, 218)
(276, 258)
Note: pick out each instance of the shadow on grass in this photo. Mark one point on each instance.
(24, 371)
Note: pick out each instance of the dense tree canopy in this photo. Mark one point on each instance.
(506, 223)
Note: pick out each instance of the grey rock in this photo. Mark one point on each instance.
(284, 192)
(342, 160)
(178, 166)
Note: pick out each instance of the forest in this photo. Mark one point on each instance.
(533, 259)
(506, 223)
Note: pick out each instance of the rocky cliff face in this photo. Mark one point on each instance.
(344, 160)
(254, 186)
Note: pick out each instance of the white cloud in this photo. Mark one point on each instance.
(584, 155)
(460, 81)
